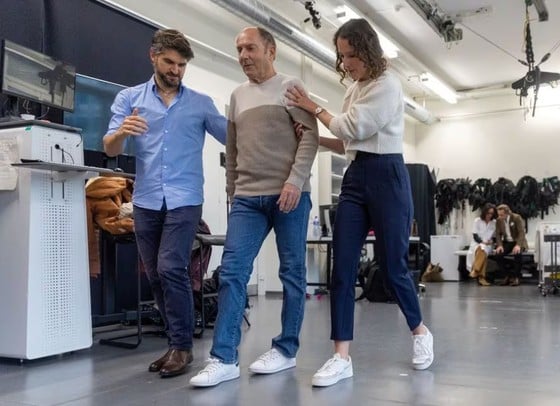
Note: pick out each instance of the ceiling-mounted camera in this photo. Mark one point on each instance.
(315, 16)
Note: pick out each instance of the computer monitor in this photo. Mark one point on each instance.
(92, 113)
(33, 76)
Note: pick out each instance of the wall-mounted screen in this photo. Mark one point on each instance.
(92, 112)
(31, 75)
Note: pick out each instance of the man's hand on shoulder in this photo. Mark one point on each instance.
(289, 198)
(299, 129)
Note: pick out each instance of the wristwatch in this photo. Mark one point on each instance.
(318, 110)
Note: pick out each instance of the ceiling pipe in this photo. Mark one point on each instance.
(264, 16)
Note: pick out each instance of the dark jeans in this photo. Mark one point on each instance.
(375, 194)
(165, 238)
(514, 268)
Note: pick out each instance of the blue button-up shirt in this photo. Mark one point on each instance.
(169, 154)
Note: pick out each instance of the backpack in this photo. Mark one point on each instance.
(210, 289)
(527, 192)
(445, 199)
(503, 192)
(549, 190)
(480, 193)
(373, 281)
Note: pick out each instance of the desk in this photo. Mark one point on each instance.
(370, 239)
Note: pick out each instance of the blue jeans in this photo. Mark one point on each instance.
(375, 194)
(165, 238)
(250, 221)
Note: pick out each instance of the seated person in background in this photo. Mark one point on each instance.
(484, 229)
(510, 240)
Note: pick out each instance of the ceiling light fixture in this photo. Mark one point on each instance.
(345, 13)
(438, 87)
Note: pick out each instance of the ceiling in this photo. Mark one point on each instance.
(471, 65)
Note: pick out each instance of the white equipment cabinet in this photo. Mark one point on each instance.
(442, 251)
(544, 251)
(44, 277)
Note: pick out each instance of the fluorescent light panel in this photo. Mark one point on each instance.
(438, 87)
(345, 13)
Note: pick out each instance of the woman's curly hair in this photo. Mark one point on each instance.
(363, 38)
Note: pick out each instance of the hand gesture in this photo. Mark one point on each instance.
(134, 124)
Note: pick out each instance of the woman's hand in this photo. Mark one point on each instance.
(297, 97)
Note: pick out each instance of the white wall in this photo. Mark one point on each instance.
(485, 139)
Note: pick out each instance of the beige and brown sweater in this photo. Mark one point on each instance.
(262, 150)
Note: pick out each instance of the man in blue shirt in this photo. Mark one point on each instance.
(167, 123)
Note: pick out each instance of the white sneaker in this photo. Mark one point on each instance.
(332, 371)
(214, 373)
(272, 361)
(422, 350)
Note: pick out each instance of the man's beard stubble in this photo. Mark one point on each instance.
(164, 81)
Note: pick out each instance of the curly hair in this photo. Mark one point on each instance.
(174, 40)
(363, 38)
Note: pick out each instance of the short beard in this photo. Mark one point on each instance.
(165, 82)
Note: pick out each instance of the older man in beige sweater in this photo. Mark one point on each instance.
(268, 170)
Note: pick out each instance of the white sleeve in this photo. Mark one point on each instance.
(475, 228)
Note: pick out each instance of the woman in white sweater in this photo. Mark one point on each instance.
(375, 191)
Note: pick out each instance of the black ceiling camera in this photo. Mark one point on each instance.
(315, 15)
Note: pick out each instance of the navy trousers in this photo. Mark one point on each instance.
(375, 194)
(165, 238)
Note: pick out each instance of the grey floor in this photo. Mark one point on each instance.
(494, 346)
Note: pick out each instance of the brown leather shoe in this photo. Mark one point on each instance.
(514, 282)
(506, 281)
(157, 364)
(176, 364)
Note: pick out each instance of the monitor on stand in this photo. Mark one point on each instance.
(28, 76)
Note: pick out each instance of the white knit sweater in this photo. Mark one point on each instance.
(372, 118)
